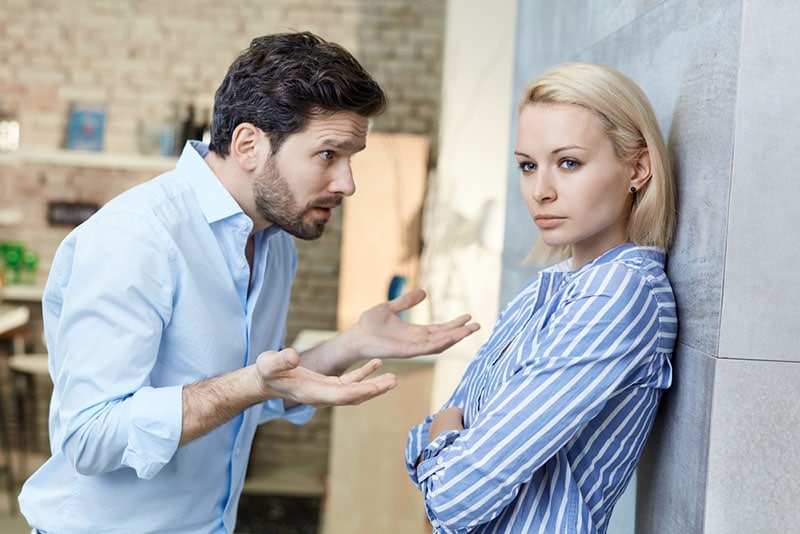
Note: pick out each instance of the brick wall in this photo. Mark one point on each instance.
(142, 59)
(138, 58)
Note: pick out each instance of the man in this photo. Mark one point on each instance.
(164, 310)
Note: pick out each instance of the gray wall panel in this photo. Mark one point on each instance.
(672, 472)
(685, 55)
(759, 318)
(753, 484)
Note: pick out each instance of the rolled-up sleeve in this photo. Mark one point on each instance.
(154, 429)
(415, 444)
(105, 348)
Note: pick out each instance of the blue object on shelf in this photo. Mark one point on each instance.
(86, 126)
(396, 289)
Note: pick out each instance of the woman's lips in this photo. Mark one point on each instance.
(548, 221)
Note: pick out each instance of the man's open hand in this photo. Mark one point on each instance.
(380, 333)
(280, 375)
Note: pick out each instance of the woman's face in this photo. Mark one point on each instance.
(576, 189)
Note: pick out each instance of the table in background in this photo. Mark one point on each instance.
(11, 318)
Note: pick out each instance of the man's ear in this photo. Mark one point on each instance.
(249, 145)
(642, 171)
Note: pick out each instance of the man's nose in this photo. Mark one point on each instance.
(342, 181)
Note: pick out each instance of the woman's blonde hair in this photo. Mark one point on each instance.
(630, 123)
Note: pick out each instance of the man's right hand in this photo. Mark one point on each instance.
(280, 375)
(211, 402)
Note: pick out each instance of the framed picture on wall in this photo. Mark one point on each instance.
(86, 127)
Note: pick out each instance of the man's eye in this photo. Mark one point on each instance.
(527, 166)
(326, 155)
(570, 164)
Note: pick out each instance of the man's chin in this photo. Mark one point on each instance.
(308, 232)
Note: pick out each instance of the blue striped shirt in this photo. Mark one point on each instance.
(557, 403)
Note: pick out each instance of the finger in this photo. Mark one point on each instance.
(407, 300)
(452, 334)
(459, 321)
(359, 392)
(332, 394)
(271, 363)
(442, 340)
(359, 374)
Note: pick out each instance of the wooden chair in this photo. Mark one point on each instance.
(27, 373)
(7, 470)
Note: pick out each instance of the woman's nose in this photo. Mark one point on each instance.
(543, 190)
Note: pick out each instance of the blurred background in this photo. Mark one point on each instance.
(99, 95)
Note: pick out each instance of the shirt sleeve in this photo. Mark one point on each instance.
(298, 414)
(116, 294)
(416, 442)
(597, 342)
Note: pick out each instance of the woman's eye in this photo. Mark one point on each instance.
(527, 166)
(570, 164)
(326, 155)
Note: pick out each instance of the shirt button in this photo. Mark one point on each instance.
(243, 226)
(240, 264)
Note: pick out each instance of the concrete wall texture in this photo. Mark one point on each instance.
(723, 457)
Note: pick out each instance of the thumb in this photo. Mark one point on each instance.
(271, 362)
(407, 300)
(289, 359)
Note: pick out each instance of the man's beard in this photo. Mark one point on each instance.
(276, 203)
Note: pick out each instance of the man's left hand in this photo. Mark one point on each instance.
(381, 333)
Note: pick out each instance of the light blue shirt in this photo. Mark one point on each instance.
(557, 403)
(151, 293)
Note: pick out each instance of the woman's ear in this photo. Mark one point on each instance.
(248, 145)
(641, 169)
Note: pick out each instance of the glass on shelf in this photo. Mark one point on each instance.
(30, 262)
(19, 265)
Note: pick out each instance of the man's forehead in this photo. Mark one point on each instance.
(343, 130)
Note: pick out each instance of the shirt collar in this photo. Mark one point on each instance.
(215, 201)
(622, 252)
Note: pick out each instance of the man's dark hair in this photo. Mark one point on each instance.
(282, 80)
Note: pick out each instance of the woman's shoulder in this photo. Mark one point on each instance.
(630, 269)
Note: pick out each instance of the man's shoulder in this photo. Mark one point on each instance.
(148, 196)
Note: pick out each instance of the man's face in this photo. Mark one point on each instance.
(299, 186)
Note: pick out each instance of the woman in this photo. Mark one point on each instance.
(545, 428)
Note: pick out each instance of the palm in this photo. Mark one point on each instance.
(382, 334)
(282, 375)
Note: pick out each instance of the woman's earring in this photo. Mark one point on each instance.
(633, 189)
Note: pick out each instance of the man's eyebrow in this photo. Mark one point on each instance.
(342, 145)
